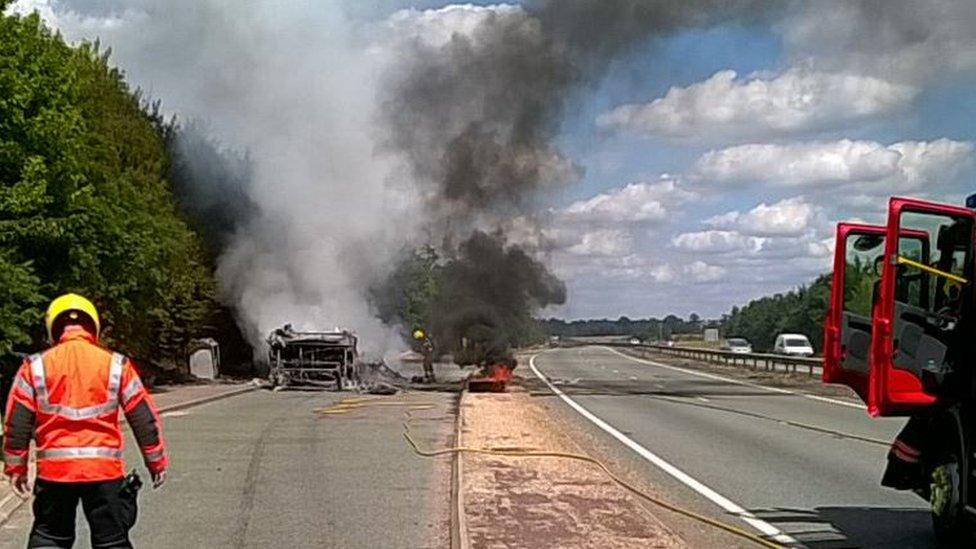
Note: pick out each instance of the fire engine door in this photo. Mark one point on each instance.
(920, 308)
(858, 256)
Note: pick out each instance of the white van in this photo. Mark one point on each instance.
(793, 345)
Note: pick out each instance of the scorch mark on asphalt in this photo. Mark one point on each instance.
(679, 475)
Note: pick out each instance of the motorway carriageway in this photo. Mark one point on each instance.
(805, 468)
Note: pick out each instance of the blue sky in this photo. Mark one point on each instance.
(703, 188)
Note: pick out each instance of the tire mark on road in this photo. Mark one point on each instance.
(251, 478)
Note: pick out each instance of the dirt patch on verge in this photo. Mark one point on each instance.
(542, 502)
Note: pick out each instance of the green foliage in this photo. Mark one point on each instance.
(407, 296)
(85, 204)
(650, 329)
(799, 311)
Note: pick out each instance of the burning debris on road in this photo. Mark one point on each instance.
(481, 304)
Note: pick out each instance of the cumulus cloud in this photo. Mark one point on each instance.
(788, 217)
(604, 242)
(703, 272)
(726, 107)
(633, 203)
(903, 166)
(663, 273)
(715, 241)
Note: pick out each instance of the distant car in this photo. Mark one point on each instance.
(635, 341)
(738, 345)
(793, 345)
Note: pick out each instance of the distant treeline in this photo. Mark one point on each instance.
(644, 329)
(801, 310)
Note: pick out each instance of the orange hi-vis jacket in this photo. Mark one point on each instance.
(68, 400)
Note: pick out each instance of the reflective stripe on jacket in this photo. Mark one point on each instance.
(68, 400)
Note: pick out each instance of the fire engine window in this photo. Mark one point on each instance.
(864, 258)
(935, 284)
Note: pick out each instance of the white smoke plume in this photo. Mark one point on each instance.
(363, 135)
(291, 84)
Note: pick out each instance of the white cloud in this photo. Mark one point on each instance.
(821, 248)
(788, 217)
(436, 27)
(633, 203)
(715, 241)
(725, 107)
(663, 273)
(904, 166)
(603, 242)
(703, 272)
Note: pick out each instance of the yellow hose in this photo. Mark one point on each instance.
(346, 406)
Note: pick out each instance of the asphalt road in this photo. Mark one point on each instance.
(263, 470)
(765, 451)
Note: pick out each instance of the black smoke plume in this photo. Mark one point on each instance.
(475, 117)
(487, 295)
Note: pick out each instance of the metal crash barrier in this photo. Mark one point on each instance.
(756, 361)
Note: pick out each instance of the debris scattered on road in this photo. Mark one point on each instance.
(377, 378)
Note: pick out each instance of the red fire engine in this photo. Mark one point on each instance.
(901, 332)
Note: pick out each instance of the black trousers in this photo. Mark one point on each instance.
(110, 513)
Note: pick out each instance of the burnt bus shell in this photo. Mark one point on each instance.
(312, 358)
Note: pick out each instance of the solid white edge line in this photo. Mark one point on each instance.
(679, 475)
(735, 381)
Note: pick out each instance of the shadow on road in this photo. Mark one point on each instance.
(865, 527)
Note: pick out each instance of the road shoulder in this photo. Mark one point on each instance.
(542, 502)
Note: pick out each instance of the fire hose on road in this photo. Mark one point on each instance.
(349, 405)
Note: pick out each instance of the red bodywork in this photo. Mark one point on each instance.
(833, 353)
(893, 391)
(833, 371)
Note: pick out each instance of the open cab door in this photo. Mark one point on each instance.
(917, 337)
(858, 255)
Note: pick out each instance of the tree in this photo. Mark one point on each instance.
(85, 204)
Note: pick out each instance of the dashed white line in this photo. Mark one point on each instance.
(175, 413)
(679, 475)
(737, 382)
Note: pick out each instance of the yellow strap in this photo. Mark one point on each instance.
(912, 263)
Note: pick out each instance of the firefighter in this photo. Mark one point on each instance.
(427, 349)
(67, 399)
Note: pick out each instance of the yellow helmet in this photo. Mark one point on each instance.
(418, 334)
(72, 304)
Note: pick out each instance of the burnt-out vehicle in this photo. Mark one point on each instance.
(312, 358)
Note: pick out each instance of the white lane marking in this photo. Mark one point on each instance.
(703, 399)
(832, 401)
(633, 378)
(736, 381)
(718, 499)
(616, 371)
(175, 413)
